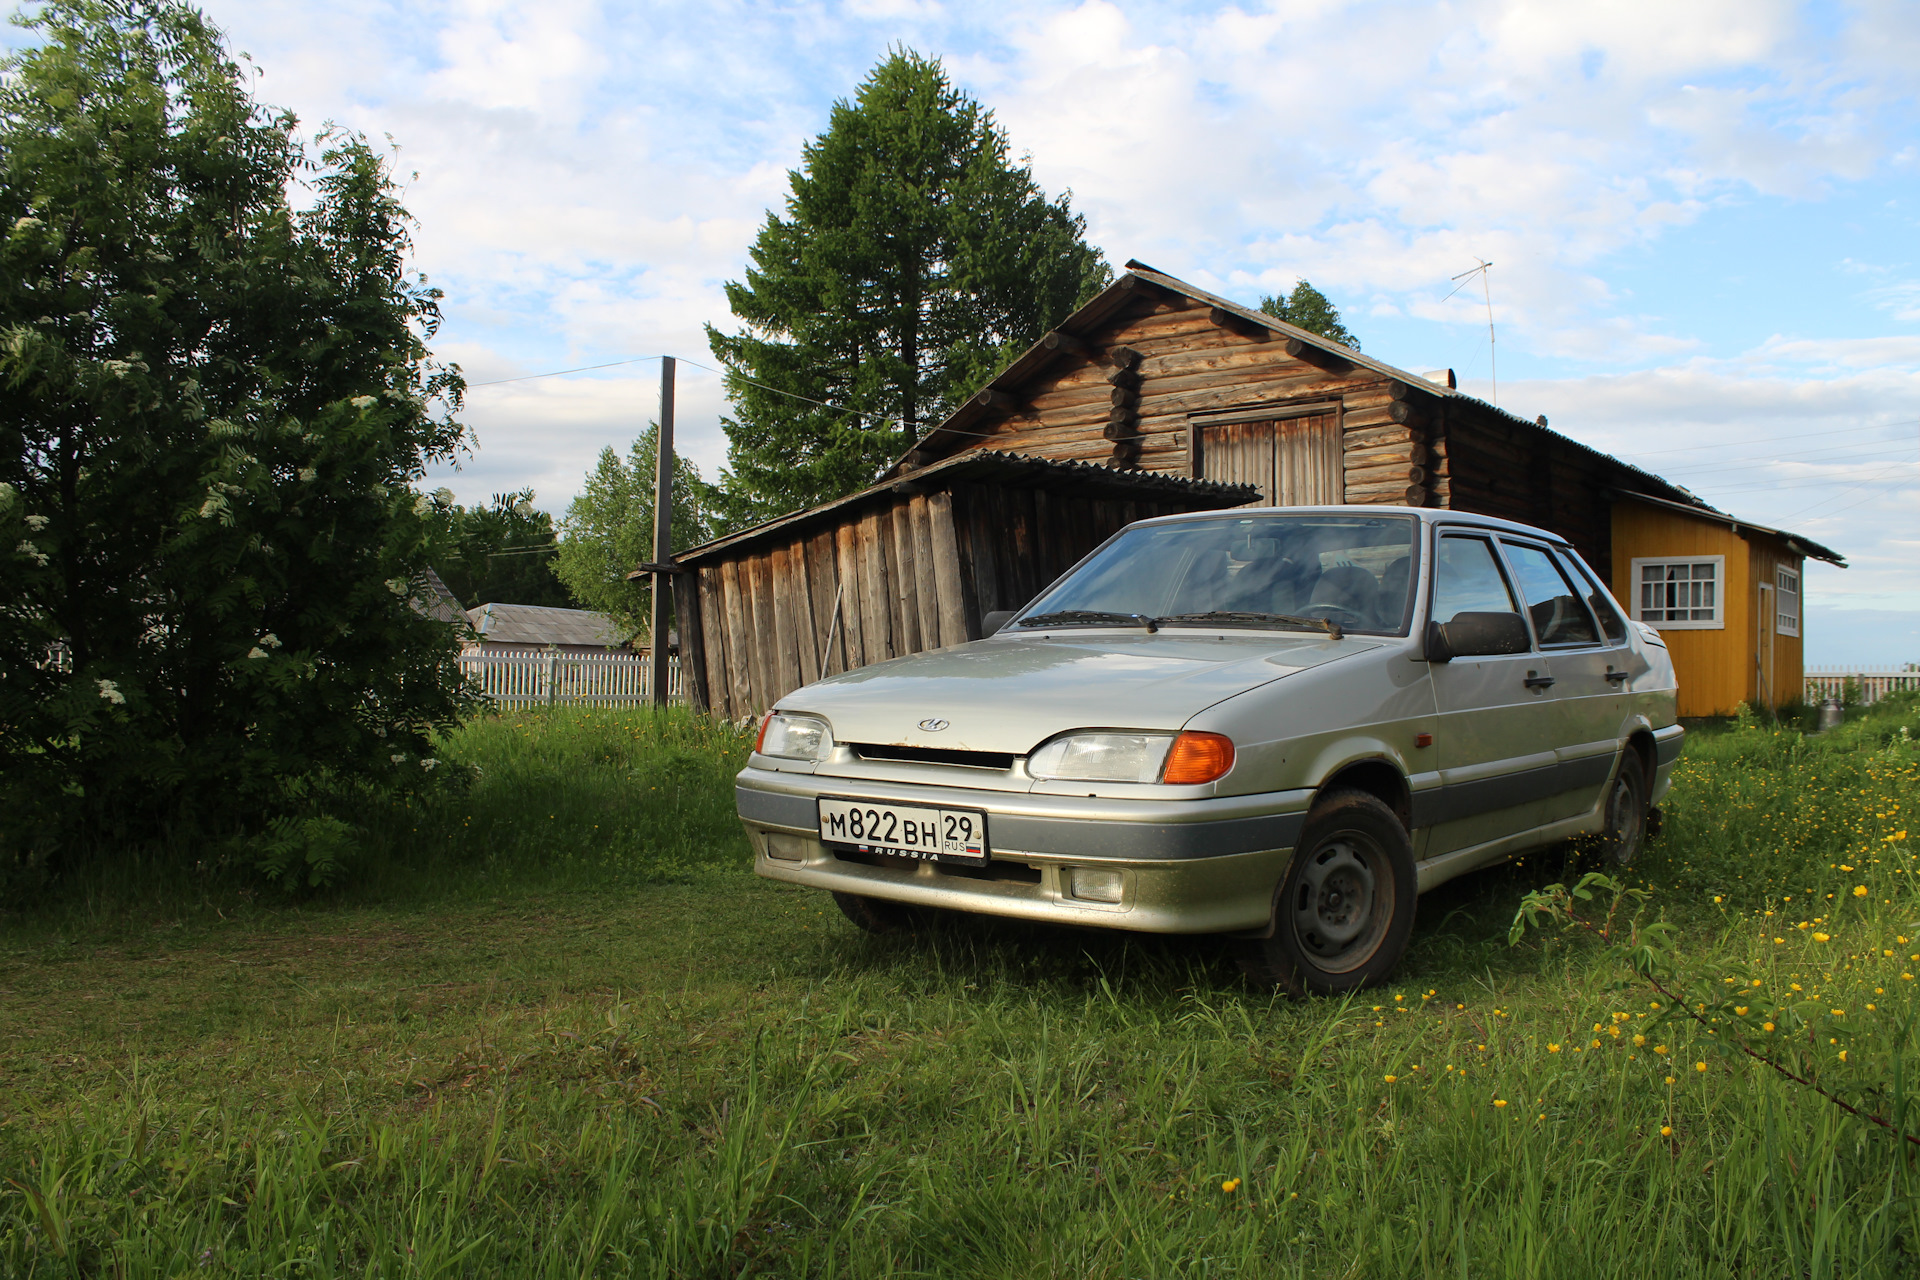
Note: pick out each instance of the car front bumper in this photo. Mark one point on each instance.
(1186, 866)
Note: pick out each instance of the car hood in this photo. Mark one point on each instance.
(1010, 693)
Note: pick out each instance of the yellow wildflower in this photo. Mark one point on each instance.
(1501, 1102)
(1230, 1186)
(1859, 891)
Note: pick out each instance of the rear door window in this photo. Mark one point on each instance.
(1553, 602)
(1612, 625)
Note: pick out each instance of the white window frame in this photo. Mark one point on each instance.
(1786, 591)
(1719, 621)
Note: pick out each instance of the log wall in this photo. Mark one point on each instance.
(1192, 365)
(899, 575)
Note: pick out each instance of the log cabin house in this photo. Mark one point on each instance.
(1157, 396)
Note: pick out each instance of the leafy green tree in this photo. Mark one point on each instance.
(1309, 308)
(216, 407)
(608, 530)
(914, 259)
(504, 554)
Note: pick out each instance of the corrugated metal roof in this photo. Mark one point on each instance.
(1017, 470)
(1799, 544)
(432, 598)
(539, 624)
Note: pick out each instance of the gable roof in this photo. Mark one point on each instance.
(959, 425)
(431, 597)
(541, 624)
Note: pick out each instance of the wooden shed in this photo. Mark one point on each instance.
(910, 564)
(1155, 397)
(1159, 375)
(1726, 595)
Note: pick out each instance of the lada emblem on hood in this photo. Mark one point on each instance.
(934, 725)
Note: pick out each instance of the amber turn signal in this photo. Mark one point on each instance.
(1198, 757)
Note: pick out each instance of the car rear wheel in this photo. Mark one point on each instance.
(1626, 812)
(1344, 912)
(876, 915)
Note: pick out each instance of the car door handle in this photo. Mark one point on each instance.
(1535, 680)
(1618, 677)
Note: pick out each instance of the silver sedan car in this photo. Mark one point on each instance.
(1281, 725)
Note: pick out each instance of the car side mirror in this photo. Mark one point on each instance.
(995, 620)
(1475, 635)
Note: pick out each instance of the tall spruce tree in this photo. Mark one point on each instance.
(914, 259)
(1309, 308)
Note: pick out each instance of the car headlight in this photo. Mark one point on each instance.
(792, 736)
(1183, 758)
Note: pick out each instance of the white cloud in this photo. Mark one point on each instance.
(590, 175)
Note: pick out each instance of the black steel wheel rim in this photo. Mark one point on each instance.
(1624, 818)
(1340, 901)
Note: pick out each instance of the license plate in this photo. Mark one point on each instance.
(906, 831)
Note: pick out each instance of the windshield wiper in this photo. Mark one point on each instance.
(1090, 617)
(1328, 625)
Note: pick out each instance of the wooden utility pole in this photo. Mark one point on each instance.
(662, 531)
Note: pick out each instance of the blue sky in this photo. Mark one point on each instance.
(1701, 215)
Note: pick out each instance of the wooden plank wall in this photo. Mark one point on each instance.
(782, 614)
(1014, 542)
(898, 576)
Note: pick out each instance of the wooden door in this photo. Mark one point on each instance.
(1763, 648)
(1293, 462)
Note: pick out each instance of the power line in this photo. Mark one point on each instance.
(558, 373)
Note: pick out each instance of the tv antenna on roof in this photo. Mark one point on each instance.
(1465, 278)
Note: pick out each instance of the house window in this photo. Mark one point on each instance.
(1786, 601)
(1680, 594)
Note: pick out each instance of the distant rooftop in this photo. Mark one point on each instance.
(537, 624)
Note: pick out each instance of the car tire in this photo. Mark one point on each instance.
(876, 915)
(1344, 910)
(1625, 811)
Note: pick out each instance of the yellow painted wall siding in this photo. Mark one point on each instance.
(1715, 669)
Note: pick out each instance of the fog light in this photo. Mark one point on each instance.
(786, 848)
(1092, 885)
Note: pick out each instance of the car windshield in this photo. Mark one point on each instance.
(1284, 571)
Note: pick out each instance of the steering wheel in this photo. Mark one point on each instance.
(1353, 617)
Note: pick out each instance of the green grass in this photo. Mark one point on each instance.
(557, 1027)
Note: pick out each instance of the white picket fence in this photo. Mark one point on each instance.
(546, 679)
(1831, 682)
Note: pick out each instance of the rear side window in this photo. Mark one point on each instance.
(1553, 602)
(1611, 623)
(1467, 579)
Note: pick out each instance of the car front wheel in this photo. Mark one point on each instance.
(1344, 912)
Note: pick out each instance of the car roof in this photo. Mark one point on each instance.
(1431, 515)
